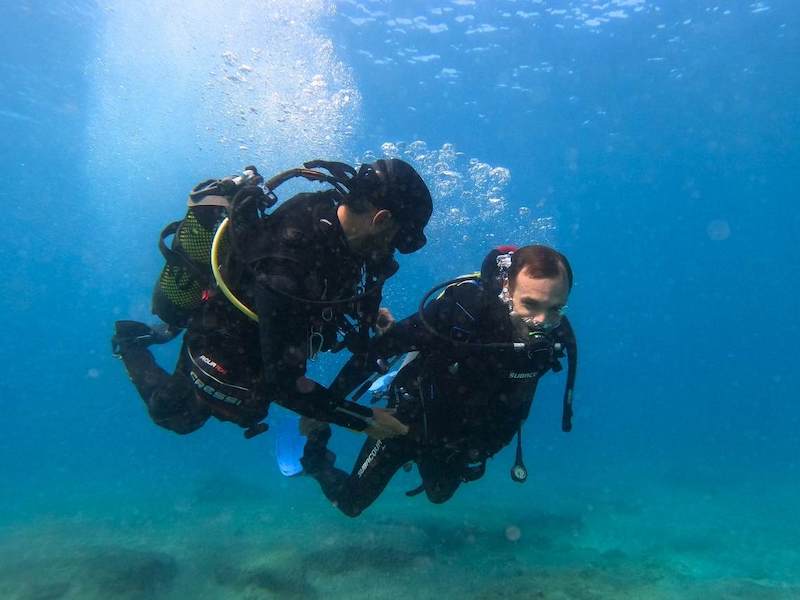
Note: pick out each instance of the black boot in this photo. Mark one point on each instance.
(316, 456)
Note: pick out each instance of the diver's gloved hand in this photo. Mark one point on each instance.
(129, 335)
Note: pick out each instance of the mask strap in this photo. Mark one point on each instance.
(503, 265)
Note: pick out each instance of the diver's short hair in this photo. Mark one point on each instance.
(540, 262)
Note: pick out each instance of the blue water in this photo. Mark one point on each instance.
(653, 143)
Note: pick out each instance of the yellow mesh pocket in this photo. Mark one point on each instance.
(180, 287)
(179, 290)
(195, 240)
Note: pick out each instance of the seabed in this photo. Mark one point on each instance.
(225, 539)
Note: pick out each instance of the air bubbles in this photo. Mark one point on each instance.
(318, 82)
(500, 175)
(303, 99)
(543, 224)
(230, 58)
(420, 146)
(718, 230)
(513, 533)
(466, 191)
(389, 150)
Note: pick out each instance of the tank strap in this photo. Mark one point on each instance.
(178, 258)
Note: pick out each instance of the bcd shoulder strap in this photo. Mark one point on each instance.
(177, 258)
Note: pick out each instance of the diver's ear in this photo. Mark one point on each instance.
(382, 218)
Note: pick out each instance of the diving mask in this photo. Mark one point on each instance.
(547, 325)
(531, 327)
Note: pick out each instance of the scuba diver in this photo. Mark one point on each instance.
(476, 353)
(259, 294)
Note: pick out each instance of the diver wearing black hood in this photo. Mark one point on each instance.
(479, 350)
(312, 271)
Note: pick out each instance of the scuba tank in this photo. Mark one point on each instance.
(184, 282)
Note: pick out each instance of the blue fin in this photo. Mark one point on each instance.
(381, 384)
(289, 443)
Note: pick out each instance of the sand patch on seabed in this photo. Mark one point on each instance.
(252, 548)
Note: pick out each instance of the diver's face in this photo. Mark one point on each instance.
(539, 303)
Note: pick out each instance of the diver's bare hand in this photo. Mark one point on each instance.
(384, 425)
(384, 321)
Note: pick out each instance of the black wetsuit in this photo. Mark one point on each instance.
(462, 404)
(232, 368)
